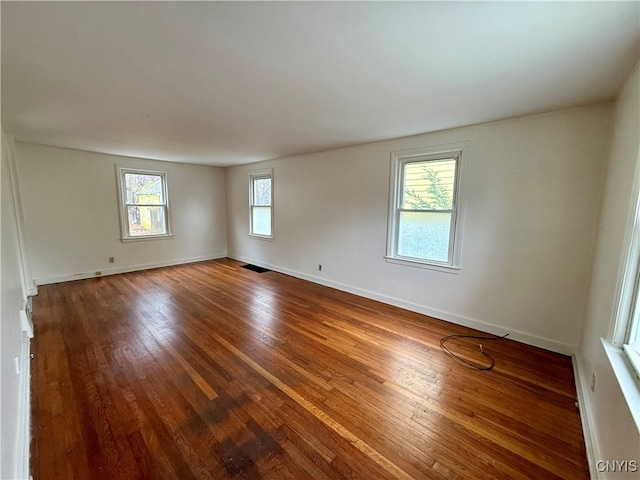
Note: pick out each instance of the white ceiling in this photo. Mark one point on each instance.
(230, 83)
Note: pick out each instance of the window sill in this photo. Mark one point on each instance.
(626, 377)
(428, 266)
(149, 237)
(262, 237)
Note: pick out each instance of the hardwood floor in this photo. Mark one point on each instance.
(209, 370)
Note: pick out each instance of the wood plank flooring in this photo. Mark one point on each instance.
(210, 370)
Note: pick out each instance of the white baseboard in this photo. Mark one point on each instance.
(24, 413)
(590, 440)
(125, 269)
(524, 337)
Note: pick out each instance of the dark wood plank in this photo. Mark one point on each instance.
(211, 371)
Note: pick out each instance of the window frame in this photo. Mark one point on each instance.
(623, 344)
(257, 175)
(626, 325)
(125, 234)
(457, 151)
(626, 333)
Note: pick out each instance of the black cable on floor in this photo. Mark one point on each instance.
(477, 366)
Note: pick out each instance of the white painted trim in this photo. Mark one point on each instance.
(147, 238)
(590, 439)
(28, 285)
(628, 269)
(23, 439)
(26, 324)
(627, 379)
(125, 236)
(130, 268)
(257, 174)
(524, 337)
(25, 414)
(633, 357)
(457, 150)
(419, 264)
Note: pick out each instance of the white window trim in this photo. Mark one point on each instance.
(624, 358)
(256, 174)
(627, 379)
(460, 151)
(633, 355)
(122, 203)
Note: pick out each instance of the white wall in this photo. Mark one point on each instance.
(14, 404)
(532, 189)
(614, 433)
(70, 203)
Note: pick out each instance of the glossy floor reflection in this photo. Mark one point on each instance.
(210, 370)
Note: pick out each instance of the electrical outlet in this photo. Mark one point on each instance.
(593, 382)
(98, 273)
(319, 267)
(112, 259)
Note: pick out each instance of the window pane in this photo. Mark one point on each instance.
(424, 235)
(146, 221)
(144, 189)
(633, 331)
(428, 185)
(262, 192)
(261, 220)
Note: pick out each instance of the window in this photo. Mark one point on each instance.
(144, 205)
(631, 345)
(261, 200)
(627, 326)
(423, 216)
(624, 350)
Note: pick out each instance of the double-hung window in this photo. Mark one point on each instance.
(144, 204)
(631, 344)
(627, 326)
(424, 208)
(261, 203)
(624, 350)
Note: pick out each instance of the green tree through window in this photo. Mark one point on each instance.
(440, 196)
